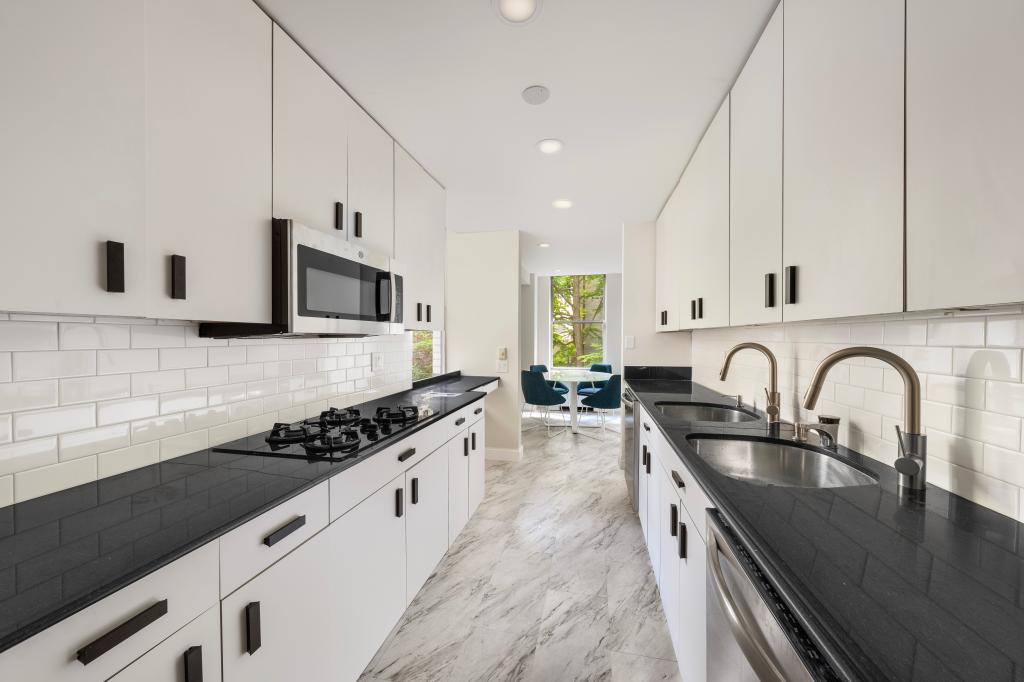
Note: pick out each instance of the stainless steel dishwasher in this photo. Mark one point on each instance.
(745, 638)
(630, 446)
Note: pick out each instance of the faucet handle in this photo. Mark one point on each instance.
(899, 440)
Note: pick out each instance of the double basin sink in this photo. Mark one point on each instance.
(758, 460)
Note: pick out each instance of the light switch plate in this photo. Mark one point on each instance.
(630, 342)
(502, 353)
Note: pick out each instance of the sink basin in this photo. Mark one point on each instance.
(705, 412)
(777, 463)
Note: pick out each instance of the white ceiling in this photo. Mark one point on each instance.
(633, 85)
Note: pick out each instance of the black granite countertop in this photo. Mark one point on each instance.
(887, 588)
(62, 552)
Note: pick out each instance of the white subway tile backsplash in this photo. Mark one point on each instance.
(1005, 331)
(261, 354)
(867, 377)
(147, 383)
(114, 411)
(226, 433)
(905, 333)
(956, 331)
(29, 336)
(228, 355)
(156, 428)
(180, 401)
(5, 367)
(955, 390)
(28, 395)
(933, 360)
(206, 418)
(93, 441)
(157, 336)
(222, 395)
(239, 373)
(126, 361)
(53, 364)
(244, 410)
(6, 490)
(987, 427)
(49, 479)
(987, 363)
(176, 446)
(202, 377)
(182, 358)
(119, 461)
(956, 449)
(27, 455)
(990, 492)
(1006, 465)
(78, 336)
(51, 422)
(94, 389)
(5, 429)
(1004, 397)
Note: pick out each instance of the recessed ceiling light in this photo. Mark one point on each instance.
(543, 245)
(536, 94)
(561, 203)
(517, 12)
(550, 146)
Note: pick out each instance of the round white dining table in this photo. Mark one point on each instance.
(574, 376)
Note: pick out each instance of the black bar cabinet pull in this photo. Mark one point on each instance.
(104, 643)
(673, 518)
(472, 437)
(465, 447)
(647, 459)
(178, 277)
(194, 664)
(399, 502)
(415, 492)
(664, 317)
(679, 481)
(357, 228)
(682, 540)
(460, 421)
(643, 457)
(700, 308)
(789, 284)
(428, 312)
(253, 633)
(769, 290)
(693, 309)
(339, 215)
(284, 531)
(478, 410)
(407, 454)
(115, 267)
(646, 426)
(419, 312)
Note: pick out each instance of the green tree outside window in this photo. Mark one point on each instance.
(577, 320)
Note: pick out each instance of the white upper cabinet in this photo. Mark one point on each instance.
(965, 153)
(310, 140)
(843, 151)
(73, 147)
(420, 234)
(755, 184)
(704, 292)
(668, 267)
(208, 158)
(371, 183)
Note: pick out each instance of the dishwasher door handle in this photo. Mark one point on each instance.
(741, 622)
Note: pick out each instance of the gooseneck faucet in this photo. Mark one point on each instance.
(773, 407)
(910, 465)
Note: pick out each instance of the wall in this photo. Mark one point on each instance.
(542, 345)
(527, 322)
(970, 368)
(642, 345)
(83, 398)
(482, 315)
(613, 322)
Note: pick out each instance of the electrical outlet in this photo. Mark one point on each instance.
(376, 363)
(502, 366)
(630, 342)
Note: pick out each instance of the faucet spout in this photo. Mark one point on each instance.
(773, 407)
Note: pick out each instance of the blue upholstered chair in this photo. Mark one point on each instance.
(592, 387)
(537, 392)
(559, 387)
(609, 397)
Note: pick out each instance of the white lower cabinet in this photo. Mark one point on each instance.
(458, 484)
(670, 546)
(692, 637)
(477, 483)
(192, 653)
(654, 523)
(426, 522)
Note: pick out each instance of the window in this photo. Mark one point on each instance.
(577, 320)
(426, 354)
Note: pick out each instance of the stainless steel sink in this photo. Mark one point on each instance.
(705, 412)
(777, 463)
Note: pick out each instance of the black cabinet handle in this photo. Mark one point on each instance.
(664, 317)
(253, 632)
(789, 284)
(104, 643)
(680, 483)
(769, 290)
(339, 215)
(646, 426)
(478, 410)
(115, 267)
(194, 664)
(428, 312)
(407, 454)
(643, 457)
(178, 277)
(465, 447)
(460, 421)
(647, 459)
(284, 531)
(415, 493)
(399, 502)
(693, 309)
(419, 312)
(682, 540)
(357, 228)
(673, 518)
(700, 308)
(472, 437)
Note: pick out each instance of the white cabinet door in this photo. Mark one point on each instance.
(654, 521)
(310, 140)
(208, 158)
(668, 266)
(965, 153)
(477, 465)
(643, 485)
(691, 651)
(704, 292)
(669, 542)
(191, 653)
(72, 136)
(755, 184)
(367, 562)
(426, 523)
(371, 183)
(458, 484)
(266, 623)
(420, 242)
(843, 151)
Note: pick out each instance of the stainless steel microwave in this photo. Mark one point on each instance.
(323, 285)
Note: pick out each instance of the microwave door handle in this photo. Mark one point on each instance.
(384, 296)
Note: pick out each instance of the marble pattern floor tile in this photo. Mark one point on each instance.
(550, 580)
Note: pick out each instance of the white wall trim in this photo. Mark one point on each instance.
(505, 454)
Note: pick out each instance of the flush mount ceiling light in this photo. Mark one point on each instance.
(536, 94)
(561, 203)
(543, 245)
(549, 146)
(517, 12)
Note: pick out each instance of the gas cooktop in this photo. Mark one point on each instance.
(335, 434)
